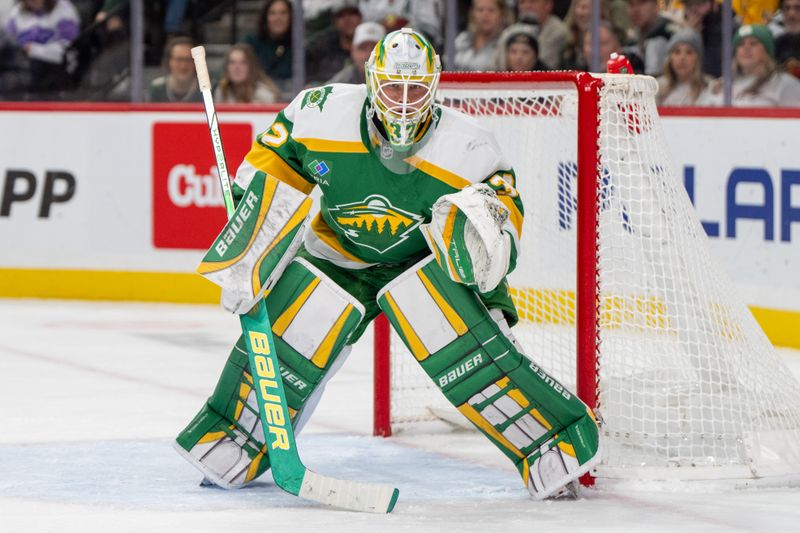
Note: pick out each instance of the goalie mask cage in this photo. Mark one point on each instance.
(618, 294)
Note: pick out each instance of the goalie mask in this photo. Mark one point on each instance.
(402, 75)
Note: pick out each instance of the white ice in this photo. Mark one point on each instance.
(92, 394)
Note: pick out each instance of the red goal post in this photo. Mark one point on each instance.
(619, 295)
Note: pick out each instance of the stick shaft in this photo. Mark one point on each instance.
(288, 470)
(204, 80)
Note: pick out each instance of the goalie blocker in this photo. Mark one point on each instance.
(548, 433)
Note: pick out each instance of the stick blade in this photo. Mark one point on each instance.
(350, 495)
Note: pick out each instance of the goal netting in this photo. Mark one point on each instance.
(618, 293)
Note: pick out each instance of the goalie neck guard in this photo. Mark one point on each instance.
(402, 76)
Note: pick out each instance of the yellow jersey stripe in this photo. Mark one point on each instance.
(417, 348)
(327, 145)
(452, 317)
(443, 175)
(268, 161)
(282, 324)
(323, 352)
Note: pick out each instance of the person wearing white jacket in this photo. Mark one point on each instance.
(684, 83)
(43, 31)
(757, 80)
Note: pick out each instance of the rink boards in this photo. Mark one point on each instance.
(118, 201)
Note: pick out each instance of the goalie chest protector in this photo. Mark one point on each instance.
(368, 212)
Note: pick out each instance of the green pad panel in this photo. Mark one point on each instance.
(509, 398)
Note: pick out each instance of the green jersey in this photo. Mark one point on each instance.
(372, 200)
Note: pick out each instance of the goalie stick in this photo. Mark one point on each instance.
(288, 470)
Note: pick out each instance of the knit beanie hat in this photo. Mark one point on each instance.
(523, 37)
(686, 36)
(760, 32)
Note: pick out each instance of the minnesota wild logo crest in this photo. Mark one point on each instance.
(316, 97)
(375, 223)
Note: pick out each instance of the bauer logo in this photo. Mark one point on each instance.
(188, 210)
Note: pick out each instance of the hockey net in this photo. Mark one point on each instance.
(618, 294)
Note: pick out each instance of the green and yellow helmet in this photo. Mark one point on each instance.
(402, 76)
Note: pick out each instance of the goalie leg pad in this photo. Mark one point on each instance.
(313, 319)
(257, 243)
(548, 433)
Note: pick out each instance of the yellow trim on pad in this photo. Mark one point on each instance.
(297, 219)
(476, 418)
(567, 448)
(211, 437)
(449, 313)
(252, 470)
(271, 185)
(323, 353)
(417, 348)
(282, 323)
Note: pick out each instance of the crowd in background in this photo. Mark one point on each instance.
(80, 49)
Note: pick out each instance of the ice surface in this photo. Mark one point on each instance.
(91, 395)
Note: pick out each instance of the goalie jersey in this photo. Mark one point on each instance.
(372, 199)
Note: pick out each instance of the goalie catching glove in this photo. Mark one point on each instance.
(467, 236)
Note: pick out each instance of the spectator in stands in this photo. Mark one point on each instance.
(757, 81)
(43, 30)
(684, 83)
(244, 81)
(578, 20)
(180, 82)
(552, 30)
(787, 44)
(611, 39)
(365, 38)
(521, 50)
(705, 17)
(425, 16)
(328, 51)
(173, 14)
(272, 43)
(476, 47)
(108, 76)
(652, 32)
